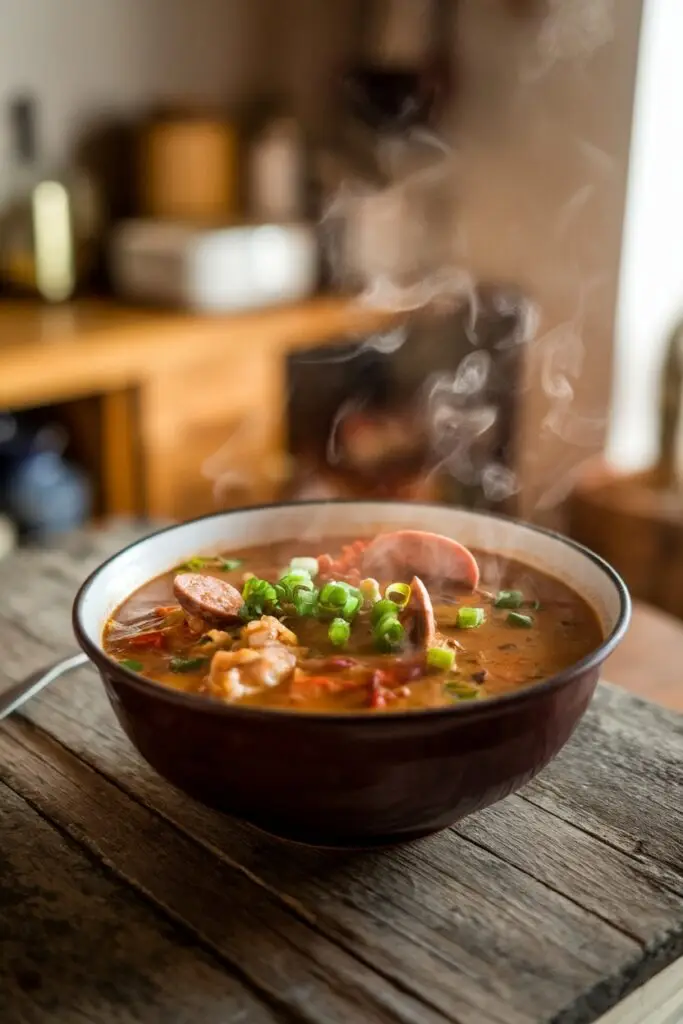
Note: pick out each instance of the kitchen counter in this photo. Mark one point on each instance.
(171, 413)
(53, 353)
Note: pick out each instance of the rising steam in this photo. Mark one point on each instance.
(573, 30)
(399, 220)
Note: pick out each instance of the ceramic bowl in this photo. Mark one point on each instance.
(349, 779)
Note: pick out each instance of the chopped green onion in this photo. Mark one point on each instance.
(334, 595)
(247, 614)
(259, 596)
(297, 579)
(339, 632)
(353, 603)
(187, 664)
(132, 664)
(509, 599)
(305, 564)
(388, 632)
(520, 621)
(382, 608)
(470, 618)
(369, 588)
(340, 599)
(462, 691)
(399, 593)
(441, 658)
(292, 584)
(193, 565)
(200, 562)
(305, 602)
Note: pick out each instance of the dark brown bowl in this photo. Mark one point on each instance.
(349, 779)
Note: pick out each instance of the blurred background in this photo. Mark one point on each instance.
(263, 249)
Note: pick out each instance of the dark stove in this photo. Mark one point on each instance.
(426, 410)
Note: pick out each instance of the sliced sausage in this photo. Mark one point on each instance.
(419, 615)
(394, 556)
(214, 601)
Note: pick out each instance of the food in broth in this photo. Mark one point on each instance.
(407, 620)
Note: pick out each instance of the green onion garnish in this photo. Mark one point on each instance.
(509, 599)
(470, 618)
(305, 564)
(186, 664)
(399, 593)
(340, 600)
(200, 562)
(259, 596)
(305, 602)
(388, 632)
(369, 588)
(463, 692)
(294, 582)
(132, 664)
(520, 621)
(382, 608)
(193, 565)
(441, 658)
(297, 578)
(333, 595)
(339, 632)
(353, 604)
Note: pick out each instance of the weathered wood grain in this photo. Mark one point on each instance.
(545, 908)
(78, 947)
(249, 927)
(631, 795)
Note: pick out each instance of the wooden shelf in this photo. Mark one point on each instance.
(52, 354)
(153, 398)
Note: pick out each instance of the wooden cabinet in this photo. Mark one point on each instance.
(211, 436)
(175, 414)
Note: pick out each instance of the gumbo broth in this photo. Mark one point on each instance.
(282, 626)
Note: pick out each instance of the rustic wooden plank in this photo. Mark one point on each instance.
(521, 914)
(77, 946)
(281, 953)
(631, 796)
(423, 940)
(367, 898)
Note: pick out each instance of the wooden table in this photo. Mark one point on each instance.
(121, 901)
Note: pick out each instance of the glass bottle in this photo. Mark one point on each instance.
(48, 223)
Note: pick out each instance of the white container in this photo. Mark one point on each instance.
(215, 271)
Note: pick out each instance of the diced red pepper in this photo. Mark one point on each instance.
(377, 695)
(308, 687)
(324, 564)
(346, 567)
